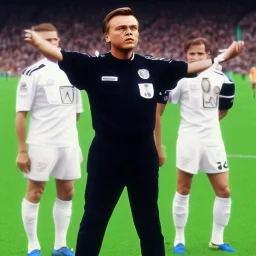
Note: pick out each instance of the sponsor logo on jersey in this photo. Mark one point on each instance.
(67, 94)
(146, 90)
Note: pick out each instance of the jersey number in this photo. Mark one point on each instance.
(222, 166)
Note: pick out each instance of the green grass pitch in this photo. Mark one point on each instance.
(238, 130)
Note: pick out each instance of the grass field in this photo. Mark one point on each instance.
(121, 239)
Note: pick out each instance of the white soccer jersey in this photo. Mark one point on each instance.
(47, 93)
(200, 99)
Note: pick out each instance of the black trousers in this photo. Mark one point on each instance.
(113, 165)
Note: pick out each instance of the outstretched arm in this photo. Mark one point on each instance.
(42, 45)
(234, 49)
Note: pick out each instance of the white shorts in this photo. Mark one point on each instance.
(60, 163)
(193, 155)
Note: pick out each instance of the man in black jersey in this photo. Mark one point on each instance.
(122, 89)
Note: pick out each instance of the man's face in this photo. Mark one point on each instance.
(196, 53)
(123, 32)
(51, 37)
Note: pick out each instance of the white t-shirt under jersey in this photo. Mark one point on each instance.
(47, 93)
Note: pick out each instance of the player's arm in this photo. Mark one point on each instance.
(234, 49)
(23, 161)
(222, 114)
(24, 99)
(158, 133)
(79, 104)
(21, 131)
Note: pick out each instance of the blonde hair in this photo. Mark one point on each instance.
(44, 27)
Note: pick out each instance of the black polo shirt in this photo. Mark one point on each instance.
(122, 93)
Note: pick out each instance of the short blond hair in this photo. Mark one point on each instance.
(197, 41)
(44, 27)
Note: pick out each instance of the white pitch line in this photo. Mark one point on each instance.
(241, 156)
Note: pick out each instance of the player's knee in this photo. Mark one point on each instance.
(34, 195)
(66, 194)
(184, 189)
(224, 192)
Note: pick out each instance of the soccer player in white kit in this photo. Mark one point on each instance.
(204, 100)
(53, 147)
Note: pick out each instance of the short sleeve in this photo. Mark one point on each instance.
(79, 102)
(227, 95)
(78, 68)
(170, 72)
(162, 97)
(25, 93)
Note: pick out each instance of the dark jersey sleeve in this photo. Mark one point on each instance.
(169, 73)
(162, 97)
(227, 94)
(78, 68)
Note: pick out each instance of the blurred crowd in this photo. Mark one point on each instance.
(164, 27)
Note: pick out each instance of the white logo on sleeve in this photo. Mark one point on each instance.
(143, 73)
(146, 90)
(23, 88)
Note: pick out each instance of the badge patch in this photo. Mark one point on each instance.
(67, 94)
(146, 90)
(143, 73)
(23, 88)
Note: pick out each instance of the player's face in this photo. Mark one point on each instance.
(51, 37)
(196, 53)
(123, 32)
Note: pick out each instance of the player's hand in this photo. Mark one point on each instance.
(32, 37)
(23, 162)
(233, 50)
(161, 155)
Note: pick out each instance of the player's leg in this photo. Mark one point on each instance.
(65, 172)
(30, 208)
(214, 163)
(187, 161)
(221, 210)
(142, 186)
(180, 209)
(41, 165)
(62, 211)
(103, 189)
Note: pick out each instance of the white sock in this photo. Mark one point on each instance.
(29, 218)
(180, 216)
(221, 215)
(61, 214)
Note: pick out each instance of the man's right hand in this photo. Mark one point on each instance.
(23, 162)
